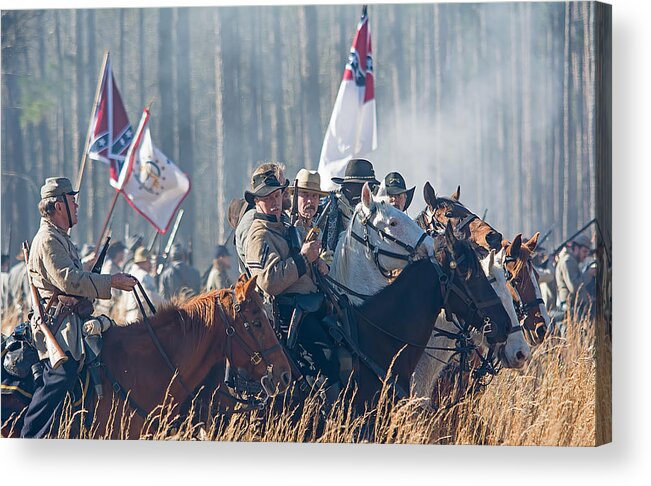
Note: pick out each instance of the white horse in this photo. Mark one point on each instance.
(513, 354)
(379, 240)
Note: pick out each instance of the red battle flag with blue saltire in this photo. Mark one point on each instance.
(110, 130)
(352, 131)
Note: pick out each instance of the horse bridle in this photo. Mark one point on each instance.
(376, 251)
(255, 357)
(436, 225)
(522, 308)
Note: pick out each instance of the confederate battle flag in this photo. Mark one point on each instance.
(352, 131)
(110, 130)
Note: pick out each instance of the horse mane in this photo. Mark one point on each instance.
(195, 315)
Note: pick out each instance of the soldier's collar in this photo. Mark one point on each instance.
(265, 217)
(51, 223)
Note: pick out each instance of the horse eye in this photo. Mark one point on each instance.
(393, 223)
(257, 324)
(449, 214)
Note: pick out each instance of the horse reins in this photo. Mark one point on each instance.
(376, 251)
(522, 308)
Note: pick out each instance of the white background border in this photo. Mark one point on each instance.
(625, 460)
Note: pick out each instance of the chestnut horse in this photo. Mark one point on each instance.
(194, 337)
(522, 279)
(439, 210)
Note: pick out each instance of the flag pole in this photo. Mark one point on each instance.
(84, 155)
(107, 219)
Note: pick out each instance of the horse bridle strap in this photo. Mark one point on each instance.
(377, 251)
(256, 357)
(152, 334)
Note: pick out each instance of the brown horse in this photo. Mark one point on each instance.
(195, 336)
(522, 281)
(439, 210)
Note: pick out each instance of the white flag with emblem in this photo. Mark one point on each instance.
(150, 182)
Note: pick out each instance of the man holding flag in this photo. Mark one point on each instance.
(352, 131)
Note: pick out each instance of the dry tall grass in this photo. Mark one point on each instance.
(551, 401)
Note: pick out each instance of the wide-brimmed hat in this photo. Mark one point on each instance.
(396, 184)
(57, 186)
(142, 255)
(582, 240)
(357, 170)
(262, 185)
(308, 181)
(236, 210)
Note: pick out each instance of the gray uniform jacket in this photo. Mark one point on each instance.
(178, 278)
(54, 267)
(218, 279)
(268, 256)
(569, 279)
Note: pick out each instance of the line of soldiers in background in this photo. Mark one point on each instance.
(568, 278)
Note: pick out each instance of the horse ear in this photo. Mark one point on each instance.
(514, 248)
(382, 190)
(243, 290)
(429, 195)
(457, 194)
(531, 244)
(367, 196)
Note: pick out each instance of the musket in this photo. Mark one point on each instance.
(294, 237)
(546, 235)
(190, 251)
(99, 263)
(567, 240)
(315, 231)
(153, 241)
(294, 216)
(57, 356)
(170, 242)
(483, 216)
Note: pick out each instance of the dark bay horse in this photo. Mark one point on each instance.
(522, 278)
(196, 336)
(403, 314)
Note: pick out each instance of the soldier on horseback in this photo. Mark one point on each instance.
(399, 196)
(285, 269)
(358, 171)
(56, 271)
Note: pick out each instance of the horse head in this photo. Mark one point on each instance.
(379, 242)
(440, 210)
(522, 279)
(467, 292)
(254, 347)
(515, 352)
(394, 229)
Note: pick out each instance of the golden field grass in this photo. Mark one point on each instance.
(551, 401)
